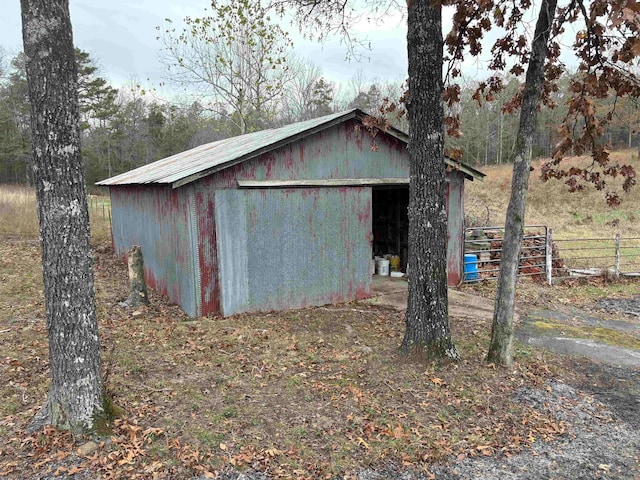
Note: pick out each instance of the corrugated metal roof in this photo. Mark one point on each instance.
(188, 166)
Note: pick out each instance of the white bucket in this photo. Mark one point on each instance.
(382, 266)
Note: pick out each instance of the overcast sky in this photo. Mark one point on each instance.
(120, 35)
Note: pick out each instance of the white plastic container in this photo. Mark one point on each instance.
(382, 265)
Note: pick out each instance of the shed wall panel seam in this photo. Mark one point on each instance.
(193, 232)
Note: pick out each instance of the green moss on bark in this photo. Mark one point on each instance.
(440, 349)
(103, 420)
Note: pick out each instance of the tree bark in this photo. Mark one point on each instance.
(427, 324)
(137, 286)
(500, 349)
(75, 394)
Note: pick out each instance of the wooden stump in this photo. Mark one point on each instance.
(137, 286)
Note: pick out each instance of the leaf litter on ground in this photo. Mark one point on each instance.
(312, 393)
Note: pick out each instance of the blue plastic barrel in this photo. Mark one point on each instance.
(470, 267)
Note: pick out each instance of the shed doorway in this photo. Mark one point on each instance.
(390, 222)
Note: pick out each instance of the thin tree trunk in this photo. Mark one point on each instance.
(75, 394)
(427, 324)
(486, 139)
(500, 142)
(500, 349)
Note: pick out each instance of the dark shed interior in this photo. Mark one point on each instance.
(390, 221)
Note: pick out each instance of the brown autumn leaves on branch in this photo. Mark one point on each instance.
(607, 48)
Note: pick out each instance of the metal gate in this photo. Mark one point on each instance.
(485, 244)
(546, 258)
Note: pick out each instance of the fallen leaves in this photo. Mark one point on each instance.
(396, 432)
(272, 452)
(437, 381)
(362, 441)
(283, 393)
(486, 450)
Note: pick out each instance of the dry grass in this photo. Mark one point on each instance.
(19, 216)
(18, 211)
(570, 215)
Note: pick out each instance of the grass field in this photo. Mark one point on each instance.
(19, 218)
(572, 216)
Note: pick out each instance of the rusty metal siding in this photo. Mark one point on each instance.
(209, 292)
(232, 243)
(455, 227)
(342, 151)
(193, 248)
(281, 249)
(158, 219)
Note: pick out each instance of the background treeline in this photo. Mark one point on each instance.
(128, 127)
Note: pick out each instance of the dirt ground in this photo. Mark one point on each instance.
(316, 393)
(391, 292)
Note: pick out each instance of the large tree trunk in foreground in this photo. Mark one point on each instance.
(427, 324)
(75, 395)
(500, 349)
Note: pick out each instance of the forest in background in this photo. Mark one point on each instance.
(129, 127)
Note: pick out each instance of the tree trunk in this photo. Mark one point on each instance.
(75, 395)
(500, 349)
(137, 286)
(427, 324)
(630, 136)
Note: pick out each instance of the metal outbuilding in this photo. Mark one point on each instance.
(277, 219)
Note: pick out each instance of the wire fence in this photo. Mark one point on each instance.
(100, 207)
(617, 256)
(547, 259)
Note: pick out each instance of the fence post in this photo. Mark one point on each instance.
(548, 251)
(617, 266)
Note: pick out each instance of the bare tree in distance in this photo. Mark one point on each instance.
(308, 94)
(236, 58)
